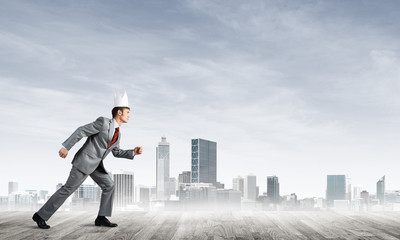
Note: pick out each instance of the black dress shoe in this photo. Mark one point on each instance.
(103, 221)
(40, 222)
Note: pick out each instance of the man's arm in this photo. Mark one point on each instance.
(83, 131)
(130, 154)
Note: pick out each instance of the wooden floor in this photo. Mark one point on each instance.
(207, 225)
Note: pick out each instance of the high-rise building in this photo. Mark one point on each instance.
(250, 187)
(3, 202)
(228, 199)
(349, 189)
(365, 195)
(162, 169)
(357, 191)
(90, 192)
(153, 193)
(43, 194)
(12, 187)
(392, 197)
(365, 199)
(85, 197)
(204, 161)
(380, 190)
(170, 187)
(142, 194)
(198, 196)
(184, 177)
(124, 189)
(238, 185)
(336, 188)
(273, 189)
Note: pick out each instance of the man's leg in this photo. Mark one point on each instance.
(107, 186)
(75, 179)
(107, 196)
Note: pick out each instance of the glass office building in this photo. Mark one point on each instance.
(273, 188)
(336, 188)
(380, 190)
(204, 161)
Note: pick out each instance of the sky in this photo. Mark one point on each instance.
(296, 89)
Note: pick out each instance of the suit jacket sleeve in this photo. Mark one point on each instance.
(119, 153)
(84, 131)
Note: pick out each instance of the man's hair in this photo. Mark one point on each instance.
(114, 111)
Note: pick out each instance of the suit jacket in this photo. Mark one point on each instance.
(99, 136)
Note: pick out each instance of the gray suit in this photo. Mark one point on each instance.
(89, 161)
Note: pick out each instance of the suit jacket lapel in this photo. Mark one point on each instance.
(110, 132)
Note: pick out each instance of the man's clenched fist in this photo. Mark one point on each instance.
(63, 152)
(138, 150)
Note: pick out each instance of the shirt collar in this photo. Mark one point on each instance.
(115, 123)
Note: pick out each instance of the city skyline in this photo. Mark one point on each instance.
(299, 90)
(338, 187)
(229, 185)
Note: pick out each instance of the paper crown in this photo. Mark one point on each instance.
(121, 101)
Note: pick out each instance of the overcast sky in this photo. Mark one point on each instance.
(297, 89)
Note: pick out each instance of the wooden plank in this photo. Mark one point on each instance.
(314, 221)
(287, 223)
(230, 226)
(260, 228)
(186, 226)
(132, 223)
(378, 226)
(155, 222)
(207, 225)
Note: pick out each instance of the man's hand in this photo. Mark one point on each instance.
(138, 150)
(63, 152)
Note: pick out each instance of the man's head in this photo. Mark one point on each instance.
(121, 114)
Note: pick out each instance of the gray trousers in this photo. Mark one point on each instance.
(75, 179)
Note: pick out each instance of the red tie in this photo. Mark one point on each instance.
(115, 136)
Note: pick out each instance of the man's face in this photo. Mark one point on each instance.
(124, 117)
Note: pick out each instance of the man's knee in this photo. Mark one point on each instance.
(109, 187)
(67, 190)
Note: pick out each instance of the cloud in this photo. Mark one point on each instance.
(287, 88)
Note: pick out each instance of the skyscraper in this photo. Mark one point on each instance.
(142, 194)
(86, 196)
(238, 185)
(91, 192)
(12, 187)
(336, 188)
(162, 169)
(43, 194)
(250, 187)
(380, 190)
(273, 189)
(204, 161)
(184, 177)
(170, 187)
(356, 192)
(124, 189)
(349, 189)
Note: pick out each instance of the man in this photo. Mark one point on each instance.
(103, 137)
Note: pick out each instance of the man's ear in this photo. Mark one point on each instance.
(119, 112)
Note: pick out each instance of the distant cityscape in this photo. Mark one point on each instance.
(198, 189)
